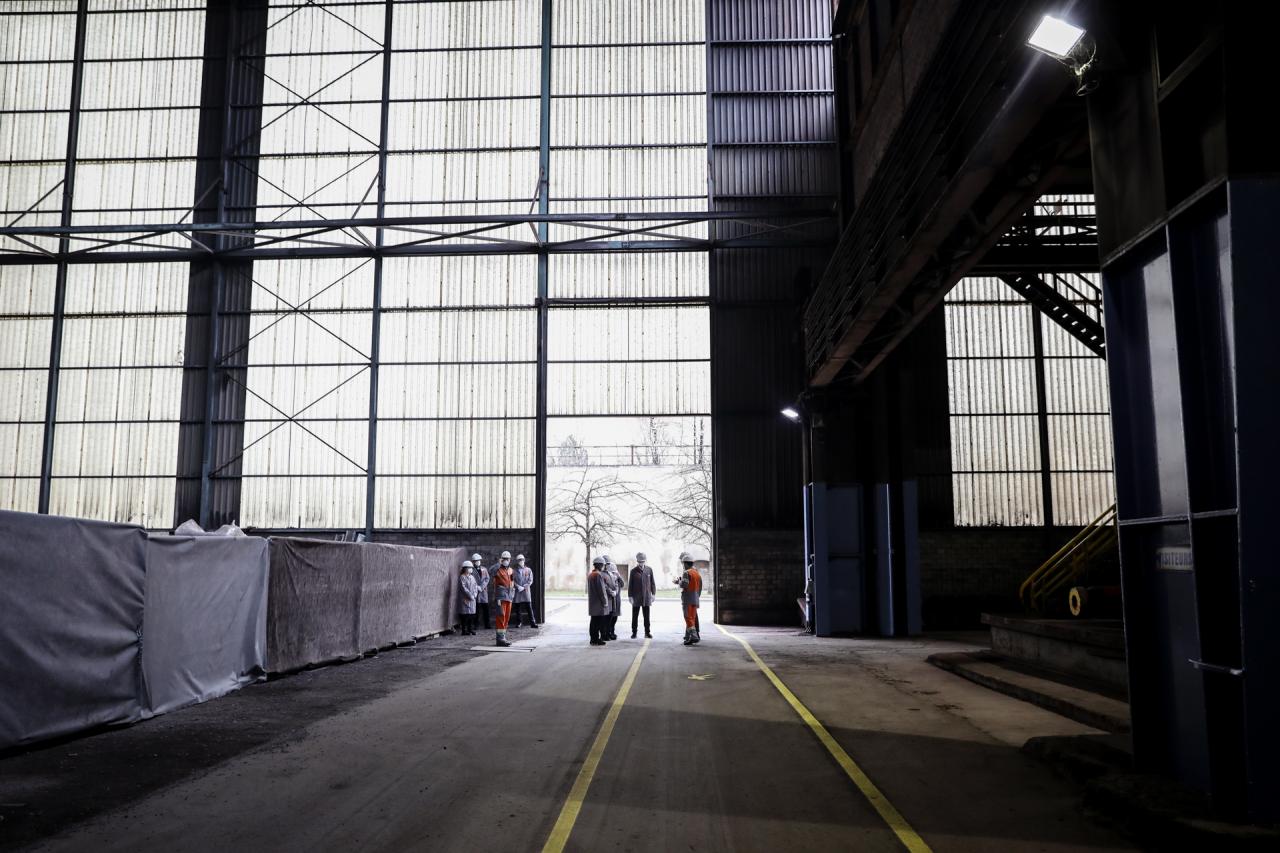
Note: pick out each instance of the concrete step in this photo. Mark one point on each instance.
(1092, 649)
(1077, 699)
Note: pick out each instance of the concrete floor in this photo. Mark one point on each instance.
(480, 755)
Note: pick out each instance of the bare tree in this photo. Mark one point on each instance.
(585, 510)
(657, 441)
(571, 453)
(687, 514)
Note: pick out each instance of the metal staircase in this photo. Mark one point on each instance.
(1071, 301)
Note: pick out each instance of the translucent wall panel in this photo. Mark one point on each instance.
(37, 44)
(995, 429)
(140, 114)
(119, 393)
(457, 393)
(1080, 447)
(469, 280)
(321, 113)
(627, 276)
(629, 361)
(307, 406)
(463, 123)
(26, 304)
(628, 109)
(997, 465)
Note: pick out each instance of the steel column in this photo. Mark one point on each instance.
(60, 285)
(1042, 417)
(375, 343)
(544, 205)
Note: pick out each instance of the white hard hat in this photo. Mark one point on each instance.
(476, 557)
(506, 555)
(466, 564)
(598, 561)
(686, 557)
(519, 556)
(606, 558)
(640, 558)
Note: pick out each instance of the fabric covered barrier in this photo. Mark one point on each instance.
(313, 603)
(336, 600)
(71, 611)
(204, 620)
(406, 592)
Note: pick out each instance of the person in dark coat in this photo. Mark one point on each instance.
(599, 601)
(642, 589)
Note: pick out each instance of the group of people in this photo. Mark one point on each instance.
(511, 588)
(604, 598)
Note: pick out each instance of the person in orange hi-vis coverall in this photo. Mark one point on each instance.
(504, 587)
(690, 594)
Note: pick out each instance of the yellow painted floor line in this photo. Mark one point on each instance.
(578, 793)
(908, 836)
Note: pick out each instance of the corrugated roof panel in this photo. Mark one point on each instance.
(307, 502)
(665, 70)
(629, 388)
(134, 500)
(655, 274)
(486, 23)
(456, 502)
(618, 21)
(461, 280)
(161, 28)
(633, 334)
(771, 68)
(676, 120)
(459, 336)
(458, 391)
(456, 447)
(770, 19)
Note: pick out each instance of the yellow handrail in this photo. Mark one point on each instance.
(1070, 561)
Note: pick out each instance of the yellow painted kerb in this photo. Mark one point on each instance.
(908, 836)
(578, 793)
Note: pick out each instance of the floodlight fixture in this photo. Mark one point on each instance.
(791, 414)
(1056, 37)
(1071, 46)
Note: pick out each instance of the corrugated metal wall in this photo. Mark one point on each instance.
(771, 144)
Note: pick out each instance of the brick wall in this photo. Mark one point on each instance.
(760, 573)
(968, 571)
(489, 543)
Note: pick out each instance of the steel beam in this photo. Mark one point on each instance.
(60, 285)
(375, 342)
(544, 207)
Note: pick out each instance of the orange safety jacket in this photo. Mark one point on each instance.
(504, 583)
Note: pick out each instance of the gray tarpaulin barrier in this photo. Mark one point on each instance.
(71, 603)
(314, 602)
(335, 600)
(204, 622)
(406, 592)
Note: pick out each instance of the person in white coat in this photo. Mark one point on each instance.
(467, 589)
(482, 591)
(524, 593)
(615, 594)
(642, 589)
(599, 602)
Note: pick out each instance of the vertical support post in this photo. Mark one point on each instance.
(212, 351)
(64, 245)
(544, 206)
(1042, 416)
(375, 344)
(712, 263)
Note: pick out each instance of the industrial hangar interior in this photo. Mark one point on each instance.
(365, 364)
